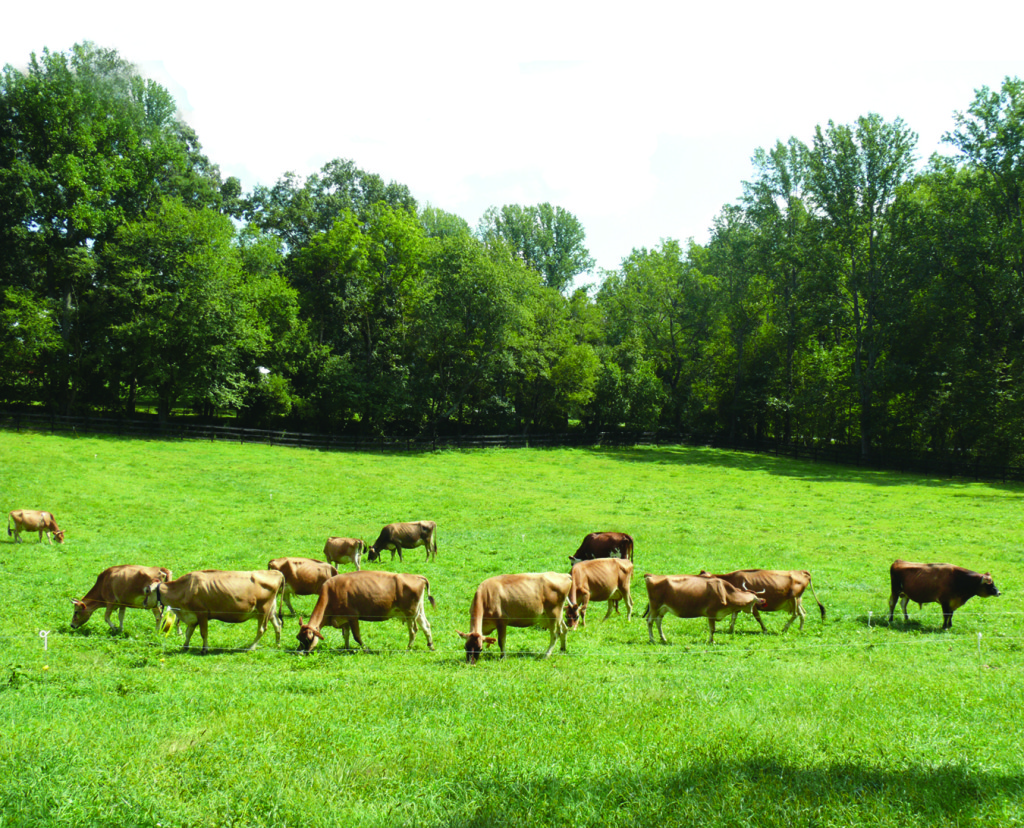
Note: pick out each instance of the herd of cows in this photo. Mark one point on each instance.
(601, 571)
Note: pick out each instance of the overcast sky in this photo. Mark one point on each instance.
(639, 118)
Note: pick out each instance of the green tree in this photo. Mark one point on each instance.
(86, 144)
(548, 239)
(185, 322)
(855, 172)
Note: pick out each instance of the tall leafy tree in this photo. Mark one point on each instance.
(86, 145)
(855, 171)
(548, 239)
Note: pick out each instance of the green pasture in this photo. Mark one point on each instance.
(848, 722)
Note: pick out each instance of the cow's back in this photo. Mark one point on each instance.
(922, 583)
(369, 594)
(778, 587)
(521, 598)
(601, 577)
(227, 595)
(126, 584)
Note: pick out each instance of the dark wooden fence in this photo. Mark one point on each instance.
(942, 466)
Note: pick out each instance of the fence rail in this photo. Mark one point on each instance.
(945, 465)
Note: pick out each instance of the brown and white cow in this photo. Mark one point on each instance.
(603, 545)
(399, 536)
(218, 595)
(119, 587)
(945, 584)
(691, 596)
(302, 576)
(337, 550)
(31, 520)
(351, 597)
(603, 579)
(532, 599)
(780, 588)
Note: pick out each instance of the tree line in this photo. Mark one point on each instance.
(848, 296)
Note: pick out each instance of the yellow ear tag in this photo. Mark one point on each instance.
(167, 622)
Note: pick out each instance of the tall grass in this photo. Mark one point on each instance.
(849, 722)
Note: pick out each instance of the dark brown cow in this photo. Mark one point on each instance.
(347, 599)
(945, 584)
(302, 576)
(521, 600)
(31, 520)
(119, 587)
(399, 536)
(337, 550)
(692, 596)
(232, 597)
(604, 579)
(780, 588)
(603, 545)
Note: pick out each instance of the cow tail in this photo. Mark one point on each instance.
(647, 611)
(8, 526)
(821, 606)
(429, 596)
(629, 547)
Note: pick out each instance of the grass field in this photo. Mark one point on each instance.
(848, 722)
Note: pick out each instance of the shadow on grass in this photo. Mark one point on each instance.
(761, 792)
(821, 471)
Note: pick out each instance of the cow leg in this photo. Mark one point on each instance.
(629, 605)
(191, 628)
(554, 638)
(711, 627)
(354, 624)
(659, 617)
(421, 618)
(355, 559)
(903, 606)
(947, 615)
(288, 601)
(204, 631)
(106, 617)
(120, 618)
(502, 631)
(612, 605)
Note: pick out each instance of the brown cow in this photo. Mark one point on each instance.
(927, 583)
(604, 579)
(603, 545)
(337, 550)
(523, 600)
(302, 576)
(399, 536)
(232, 597)
(347, 599)
(31, 520)
(691, 596)
(119, 587)
(780, 588)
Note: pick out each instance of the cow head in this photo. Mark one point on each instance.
(151, 595)
(571, 615)
(59, 535)
(81, 614)
(759, 601)
(988, 586)
(372, 554)
(474, 645)
(308, 637)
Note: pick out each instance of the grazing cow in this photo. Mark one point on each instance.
(524, 600)
(691, 596)
(399, 536)
(780, 588)
(604, 579)
(302, 576)
(926, 583)
(337, 550)
(603, 545)
(232, 597)
(31, 520)
(119, 587)
(347, 599)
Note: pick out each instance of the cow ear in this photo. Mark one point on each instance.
(301, 622)
(490, 641)
(463, 635)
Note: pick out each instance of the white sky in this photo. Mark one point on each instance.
(639, 118)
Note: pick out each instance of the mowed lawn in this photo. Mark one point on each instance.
(847, 722)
